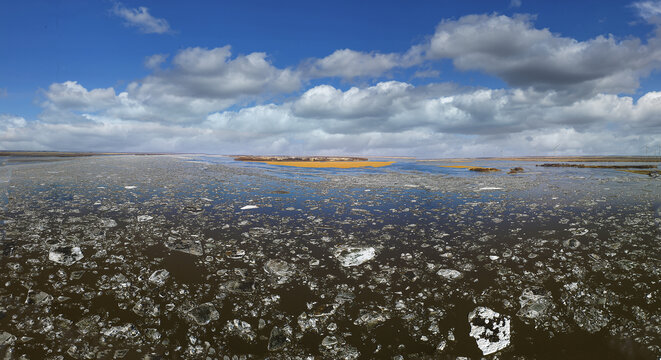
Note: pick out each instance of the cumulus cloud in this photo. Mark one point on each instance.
(348, 63)
(141, 18)
(522, 55)
(197, 82)
(387, 118)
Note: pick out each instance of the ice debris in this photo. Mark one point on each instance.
(249, 207)
(278, 339)
(449, 274)
(143, 218)
(159, 277)
(65, 255)
(354, 256)
(204, 314)
(490, 329)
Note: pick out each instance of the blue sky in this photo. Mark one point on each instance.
(425, 78)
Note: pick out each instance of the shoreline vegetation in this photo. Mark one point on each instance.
(471, 168)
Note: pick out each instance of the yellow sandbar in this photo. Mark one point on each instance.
(330, 164)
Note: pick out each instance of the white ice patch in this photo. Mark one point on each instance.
(130, 187)
(248, 207)
(143, 218)
(490, 329)
(449, 274)
(65, 255)
(354, 256)
(486, 188)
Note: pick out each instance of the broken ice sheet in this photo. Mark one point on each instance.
(143, 218)
(159, 277)
(204, 314)
(354, 256)
(490, 329)
(65, 255)
(449, 274)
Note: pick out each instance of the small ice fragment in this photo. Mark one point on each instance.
(354, 256)
(204, 314)
(489, 188)
(494, 257)
(248, 207)
(159, 277)
(490, 329)
(449, 274)
(277, 340)
(143, 218)
(65, 255)
(130, 187)
(7, 338)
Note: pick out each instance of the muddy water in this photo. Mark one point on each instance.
(330, 264)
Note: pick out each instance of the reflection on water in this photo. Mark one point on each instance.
(411, 260)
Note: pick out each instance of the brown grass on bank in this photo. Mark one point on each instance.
(471, 168)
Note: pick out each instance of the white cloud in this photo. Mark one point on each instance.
(522, 55)
(649, 10)
(141, 19)
(155, 61)
(515, 3)
(348, 63)
(198, 82)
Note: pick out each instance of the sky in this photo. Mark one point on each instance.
(393, 78)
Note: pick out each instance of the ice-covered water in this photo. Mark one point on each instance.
(164, 257)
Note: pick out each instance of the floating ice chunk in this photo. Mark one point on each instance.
(143, 218)
(277, 340)
(494, 257)
(486, 188)
(535, 303)
(354, 256)
(241, 328)
(130, 187)
(449, 274)
(490, 329)
(591, 319)
(278, 268)
(204, 314)
(329, 341)
(159, 277)
(122, 331)
(248, 207)
(6, 338)
(108, 223)
(65, 255)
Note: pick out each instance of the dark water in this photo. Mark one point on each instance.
(570, 257)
